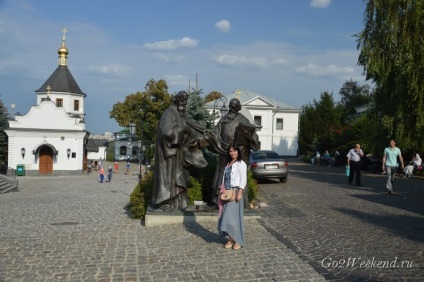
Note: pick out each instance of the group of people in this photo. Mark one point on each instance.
(391, 156)
(326, 159)
(110, 171)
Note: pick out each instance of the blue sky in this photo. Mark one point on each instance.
(289, 50)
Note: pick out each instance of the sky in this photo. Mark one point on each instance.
(289, 50)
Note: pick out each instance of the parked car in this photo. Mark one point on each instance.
(268, 164)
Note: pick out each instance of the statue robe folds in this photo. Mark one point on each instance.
(176, 150)
(225, 133)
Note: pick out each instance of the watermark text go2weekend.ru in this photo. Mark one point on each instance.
(366, 263)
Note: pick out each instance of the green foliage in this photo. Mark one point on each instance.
(145, 110)
(141, 197)
(142, 194)
(392, 55)
(194, 191)
(252, 187)
(354, 95)
(4, 124)
(212, 96)
(196, 110)
(320, 120)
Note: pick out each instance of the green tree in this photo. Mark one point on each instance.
(392, 55)
(212, 96)
(196, 110)
(4, 124)
(354, 95)
(145, 110)
(319, 121)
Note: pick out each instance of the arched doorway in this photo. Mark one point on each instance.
(45, 160)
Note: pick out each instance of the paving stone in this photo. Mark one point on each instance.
(73, 228)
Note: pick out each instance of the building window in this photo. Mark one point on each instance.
(279, 124)
(43, 99)
(123, 150)
(257, 120)
(76, 105)
(59, 102)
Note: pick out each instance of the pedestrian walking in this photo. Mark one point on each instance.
(109, 173)
(390, 156)
(102, 174)
(230, 219)
(116, 167)
(354, 163)
(128, 167)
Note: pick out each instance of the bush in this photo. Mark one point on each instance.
(194, 191)
(141, 197)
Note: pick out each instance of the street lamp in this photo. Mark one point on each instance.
(132, 131)
(223, 109)
(139, 162)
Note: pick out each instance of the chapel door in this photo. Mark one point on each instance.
(45, 160)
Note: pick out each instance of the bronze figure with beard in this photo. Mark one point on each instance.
(176, 152)
(232, 128)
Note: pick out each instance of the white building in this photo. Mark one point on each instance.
(277, 123)
(51, 137)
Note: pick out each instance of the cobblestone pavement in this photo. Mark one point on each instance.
(73, 228)
(332, 225)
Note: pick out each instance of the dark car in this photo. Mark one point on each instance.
(268, 164)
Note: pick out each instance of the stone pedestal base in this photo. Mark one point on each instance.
(191, 214)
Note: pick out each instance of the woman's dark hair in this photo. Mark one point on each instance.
(235, 147)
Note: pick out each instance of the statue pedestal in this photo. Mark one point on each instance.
(191, 214)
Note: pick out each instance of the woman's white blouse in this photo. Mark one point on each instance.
(239, 174)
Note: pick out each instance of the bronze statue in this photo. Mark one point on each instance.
(232, 128)
(176, 151)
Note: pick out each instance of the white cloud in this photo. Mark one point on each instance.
(279, 61)
(176, 79)
(185, 42)
(167, 58)
(320, 3)
(112, 69)
(329, 70)
(223, 26)
(240, 61)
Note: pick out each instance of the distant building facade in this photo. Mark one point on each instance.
(277, 123)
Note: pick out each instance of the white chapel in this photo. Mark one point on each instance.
(50, 139)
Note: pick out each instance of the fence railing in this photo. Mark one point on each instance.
(8, 171)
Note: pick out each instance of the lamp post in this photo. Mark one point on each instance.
(223, 109)
(139, 162)
(132, 131)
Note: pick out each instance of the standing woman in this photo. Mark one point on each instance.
(230, 222)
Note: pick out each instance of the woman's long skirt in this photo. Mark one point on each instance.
(231, 222)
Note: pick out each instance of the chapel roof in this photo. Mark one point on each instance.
(61, 79)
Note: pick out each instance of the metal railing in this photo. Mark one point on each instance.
(8, 171)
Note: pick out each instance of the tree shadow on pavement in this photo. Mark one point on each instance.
(410, 227)
(409, 193)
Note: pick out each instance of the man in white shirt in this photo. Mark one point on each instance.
(354, 162)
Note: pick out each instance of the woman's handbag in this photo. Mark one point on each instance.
(228, 195)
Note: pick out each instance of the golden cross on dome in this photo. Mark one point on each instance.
(64, 30)
(48, 90)
(238, 92)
